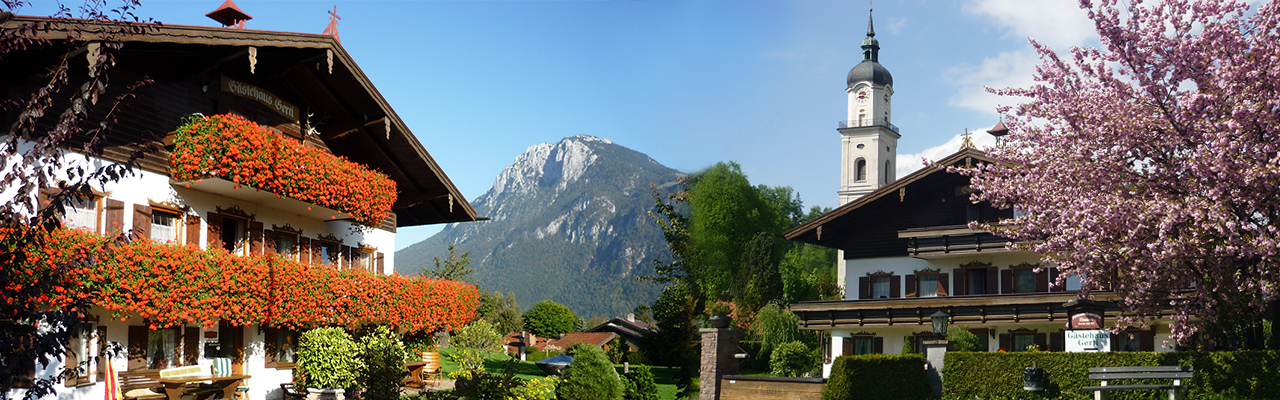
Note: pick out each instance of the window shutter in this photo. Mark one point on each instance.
(115, 216)
(142, 220)
(255, 237)
(895, 287)
(911, 286)
(1006, 342)
(71, 361)
(1147, 339)
(190, 346)
(1006, 281)
(214, 231)
(304, 250)
(864, 288)
(379, 265)
(269, 346)
(100, 353)
(345, 256)
(193, 230)
(846, 347)
(1057, 341)
(993, 281)
(269, 241)
(137, 347)
(826, 348)
(877, 344)
(317, 254)
(944, 281)
(1042, 280)
(962, 282)
(1042, 340)
(237, 354)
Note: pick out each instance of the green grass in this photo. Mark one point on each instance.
(663, 377)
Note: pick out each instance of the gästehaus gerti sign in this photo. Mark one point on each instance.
(268, 99)
(1088, 340)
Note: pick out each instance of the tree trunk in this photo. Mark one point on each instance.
(1275, 326)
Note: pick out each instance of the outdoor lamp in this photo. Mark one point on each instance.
(939, 324)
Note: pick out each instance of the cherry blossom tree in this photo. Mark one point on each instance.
(1150, 166)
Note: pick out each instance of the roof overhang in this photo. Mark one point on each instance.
(314, 69)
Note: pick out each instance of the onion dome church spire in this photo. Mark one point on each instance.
(869, 142)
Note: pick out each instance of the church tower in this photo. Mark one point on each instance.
(868, 141)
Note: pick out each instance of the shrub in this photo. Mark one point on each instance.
(638, 384)
(479, 335)
(383, 355)
(791, 359)
(468, 359)
(963, 340)
(537, 389)
(479, 384)
(1238, 374)
(908, 345)
(617, 350)
(328, 359)
(878, 376)
(775, 326)
(590, 377)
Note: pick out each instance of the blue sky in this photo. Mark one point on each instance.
(689, 83)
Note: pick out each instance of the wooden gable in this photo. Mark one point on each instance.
(870, 226)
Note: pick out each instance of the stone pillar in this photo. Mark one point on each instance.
(719, 345)
(934, 353)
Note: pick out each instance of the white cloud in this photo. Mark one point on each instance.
(1005, 70)
(895, 25)
(908, 163)
(1058, 24)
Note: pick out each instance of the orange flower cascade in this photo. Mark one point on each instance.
(173, 285)
(232, 148)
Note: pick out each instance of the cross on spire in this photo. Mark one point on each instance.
(332, 29)
(968, 140)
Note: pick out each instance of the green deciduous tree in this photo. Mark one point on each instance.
(549, 319)
(501, 311)
(454, 267)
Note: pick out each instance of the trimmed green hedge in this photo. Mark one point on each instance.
(878, 376)
(1236, 374)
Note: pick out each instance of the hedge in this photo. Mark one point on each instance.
(1236, 374)
(878, 376)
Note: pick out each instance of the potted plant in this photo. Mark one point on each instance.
(328, 363)
(719, 312)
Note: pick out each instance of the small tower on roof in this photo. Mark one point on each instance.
(229, 15)
(869, 142)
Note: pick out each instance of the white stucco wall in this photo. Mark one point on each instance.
(144, 187)
(903, 266)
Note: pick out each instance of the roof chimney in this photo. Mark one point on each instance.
(229, 15)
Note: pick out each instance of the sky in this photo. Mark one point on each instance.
(689, 83)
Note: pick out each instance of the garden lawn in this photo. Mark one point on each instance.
(663, 377)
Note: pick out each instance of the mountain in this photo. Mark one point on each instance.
(569, 223)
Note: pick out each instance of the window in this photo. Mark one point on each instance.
(928, 285)
(164, 226)
(880, 287)
(860, 170)
(161, 349)
(862, 345)
(233, 235)
(329, 254)
(888, 172)
(365, 261)
(1022, 340)
(80, 353)
(1126, 341)
(1024, 281)
(286, 244)
(1073, 282)
(977, 280)
(81, 213)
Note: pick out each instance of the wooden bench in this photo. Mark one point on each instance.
(1177, 391)
(141, 385)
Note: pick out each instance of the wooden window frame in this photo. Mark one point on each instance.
(89, 335)
(179, 223)
(848, 343)
(1010, 275)
(271, 348)
(866, 285)
(961, 274)
(269, 242)
(914, 288)
(318, 244)
(1007, 340)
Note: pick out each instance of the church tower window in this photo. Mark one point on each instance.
(860, 170)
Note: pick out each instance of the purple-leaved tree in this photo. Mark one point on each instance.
(1151, 166)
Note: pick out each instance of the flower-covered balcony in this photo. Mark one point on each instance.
(172, 285)
(234, 157)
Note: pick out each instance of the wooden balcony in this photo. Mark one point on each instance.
(950, 241)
